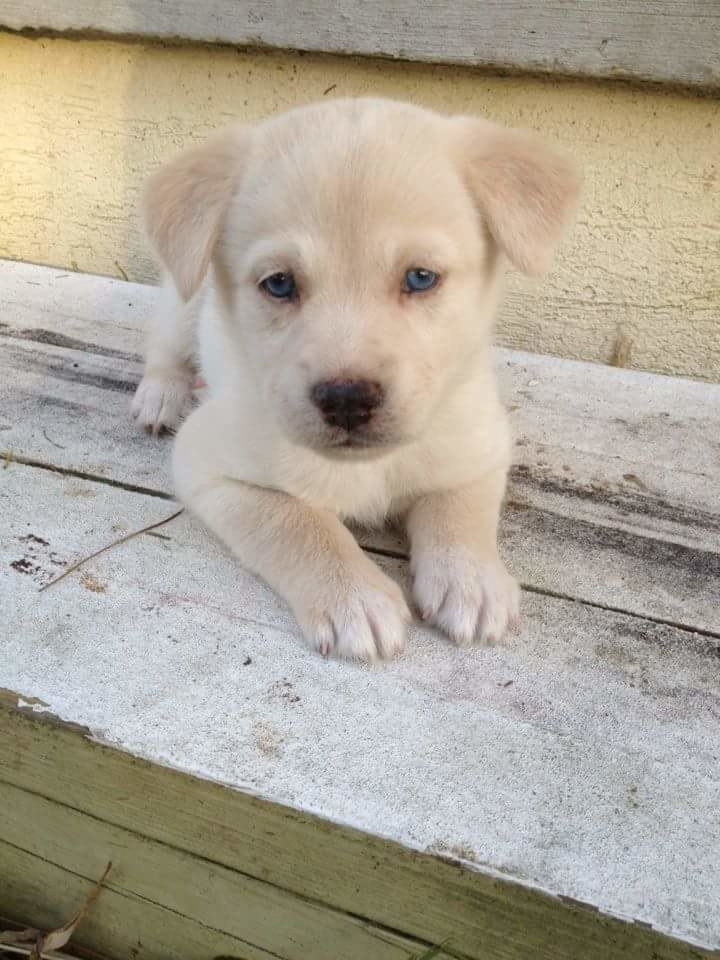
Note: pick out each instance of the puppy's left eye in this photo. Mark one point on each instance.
(418, 280)
(279, 286)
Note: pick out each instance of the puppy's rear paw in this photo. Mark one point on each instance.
(160, 403)
(470, 599)
(364, 619)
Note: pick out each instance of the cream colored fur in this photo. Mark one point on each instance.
(348, 195)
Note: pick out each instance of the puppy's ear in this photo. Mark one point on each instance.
(525, 191)
(185, 202)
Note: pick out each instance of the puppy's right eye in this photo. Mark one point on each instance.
(279, 286)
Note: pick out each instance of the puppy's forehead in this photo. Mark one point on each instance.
(355, 166)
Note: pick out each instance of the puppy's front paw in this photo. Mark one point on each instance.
(359, 615)
(468, 598)
(160, 403)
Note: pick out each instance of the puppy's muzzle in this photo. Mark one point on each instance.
(348, 404)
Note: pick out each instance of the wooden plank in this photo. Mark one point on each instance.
(40, 894)
(584, 531)
(77, 310)
(497, 755)
(262, 920)
(594, 511)
(599, 420)
(675, 43)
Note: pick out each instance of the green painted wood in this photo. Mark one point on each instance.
(39, 894)
(272, 921)
(427, 898)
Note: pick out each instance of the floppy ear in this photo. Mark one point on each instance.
(185, 202)
(525, 191)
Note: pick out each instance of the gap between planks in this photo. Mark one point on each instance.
(303, 898)
(10, 458)
(127, 894)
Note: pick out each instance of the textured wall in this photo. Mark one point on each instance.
(85, 121)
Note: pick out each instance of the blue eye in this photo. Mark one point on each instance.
(418, 280)
(279, 286)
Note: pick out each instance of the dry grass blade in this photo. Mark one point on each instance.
(56, 939)
(43, 946)
(109, 546)
(26, 950)
(622, 351)
(122, 272)
(8, 937)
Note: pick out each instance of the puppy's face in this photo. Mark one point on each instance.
(357, 275)
(356, 246)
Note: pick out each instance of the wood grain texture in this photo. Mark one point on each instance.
(593, 511)
(618, 531)
(255, 918)
(39, 893)
(677, 42)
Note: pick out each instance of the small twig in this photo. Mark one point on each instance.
(109, 546)
(50, 440)
(122, 272)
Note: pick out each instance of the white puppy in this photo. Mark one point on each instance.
(342, 262)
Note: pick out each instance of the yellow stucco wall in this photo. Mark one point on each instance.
(84, 121)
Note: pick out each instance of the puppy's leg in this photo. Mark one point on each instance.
(164, 395)
(460, 582)
(343, 602)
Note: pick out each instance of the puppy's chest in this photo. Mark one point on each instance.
(367, 492)
(358, 491)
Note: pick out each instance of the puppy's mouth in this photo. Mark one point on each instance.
(360, 444)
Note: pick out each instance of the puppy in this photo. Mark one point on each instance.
(342, 263)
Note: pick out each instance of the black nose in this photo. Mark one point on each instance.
(347, 403)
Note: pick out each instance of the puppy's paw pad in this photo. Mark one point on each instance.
(161, 403)
(469, 599)
(359, 621)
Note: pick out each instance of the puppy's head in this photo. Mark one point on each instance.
(356, 247)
